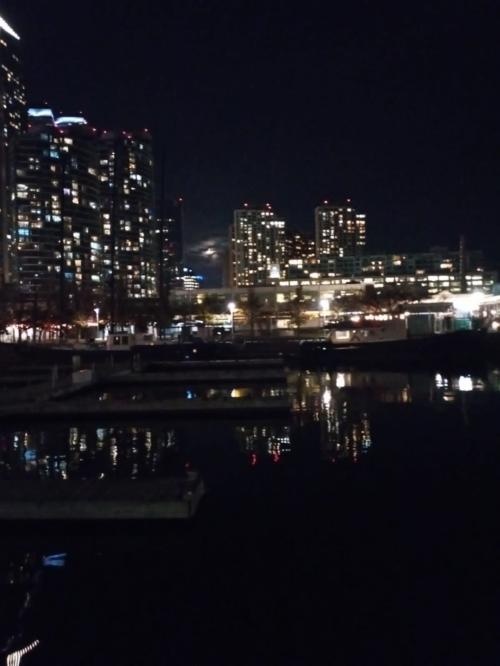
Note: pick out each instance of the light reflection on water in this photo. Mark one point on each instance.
(331, 410)
(195, 392)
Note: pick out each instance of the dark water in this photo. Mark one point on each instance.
(363, 529)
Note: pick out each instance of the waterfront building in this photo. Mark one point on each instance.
(57, 227)
(271, 307)
(340, 230)
(128, 222)
(187, 280)
(257, 247)
(436, 260)
(12, 118)
(431, 272)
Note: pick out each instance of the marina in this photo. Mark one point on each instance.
(114, 495)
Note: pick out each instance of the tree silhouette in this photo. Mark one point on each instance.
(251, 307)
(297, 309)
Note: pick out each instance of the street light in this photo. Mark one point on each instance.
(232, 308)
(97, 311)
(324, 304)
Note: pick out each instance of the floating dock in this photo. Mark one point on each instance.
(178, 376)
(218, 371)
(231, 407)
(158, 499)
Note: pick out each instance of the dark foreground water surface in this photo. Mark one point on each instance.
(361, 530)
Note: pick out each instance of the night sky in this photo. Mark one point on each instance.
(395, 105)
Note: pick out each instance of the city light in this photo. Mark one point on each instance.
(465, 384)
(70, 120)
(5, 26)
(14, 659)
(467, 303)
(232, 309)
(340, 381)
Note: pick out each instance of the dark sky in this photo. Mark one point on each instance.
(395, 105)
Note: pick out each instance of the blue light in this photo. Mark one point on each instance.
(41, 113)
(70, 120)
(57, 561)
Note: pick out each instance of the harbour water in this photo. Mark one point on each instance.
(361, 527)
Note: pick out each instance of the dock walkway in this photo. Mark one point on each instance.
(151, 499)
(157, 408)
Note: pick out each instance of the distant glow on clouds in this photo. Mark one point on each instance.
(209, 249)
(5, 26)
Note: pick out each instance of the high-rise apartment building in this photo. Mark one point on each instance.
(57, 230)
(12, 110)
(340, 230)
(300, 246)
(170, 240)
(129, 228)
(300, 253)
(257, 247)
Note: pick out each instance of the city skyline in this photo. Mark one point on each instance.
(249, 332)
(415, 156)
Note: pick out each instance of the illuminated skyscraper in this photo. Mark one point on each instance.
(300, 246)
(58, 238)
(171, 241)
(257, 247)
(12, 109)
(300, 254)
(127, 202)
(340, 230)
